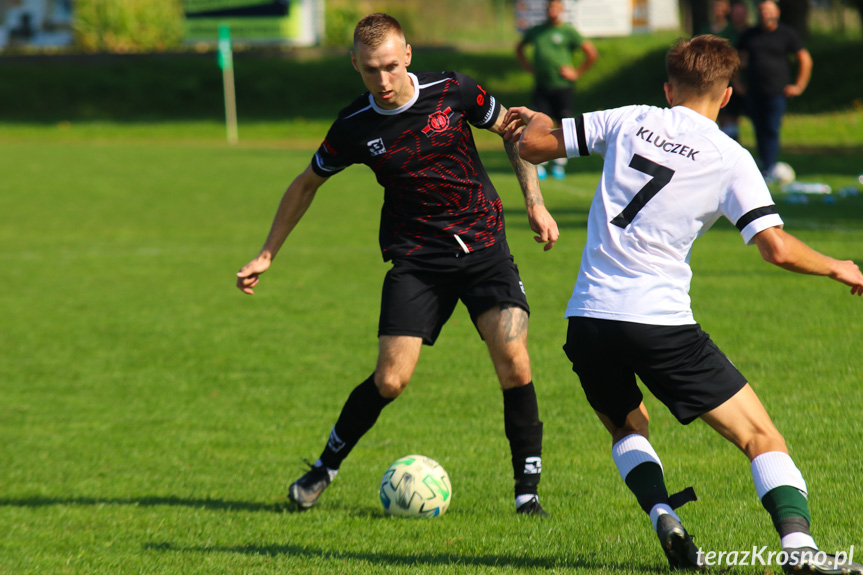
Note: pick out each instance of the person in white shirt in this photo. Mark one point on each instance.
(668, 175)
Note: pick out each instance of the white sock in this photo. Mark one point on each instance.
(798, 540)
(629, 453)
(775, 469)
(331, 472)
(522, 499)
(659, 510)
(632, 451)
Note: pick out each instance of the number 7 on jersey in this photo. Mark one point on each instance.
(661, 177)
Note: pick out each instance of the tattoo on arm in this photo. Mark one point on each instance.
(526, 175)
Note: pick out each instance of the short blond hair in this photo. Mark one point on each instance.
(373, 29)
(703, 65)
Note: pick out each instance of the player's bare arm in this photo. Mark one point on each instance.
(780, 248)
(537, 137)
(540, 220)
(294, 203)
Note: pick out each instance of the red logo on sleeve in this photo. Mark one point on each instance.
(480, 98)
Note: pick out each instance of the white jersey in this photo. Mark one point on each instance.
(668, 175)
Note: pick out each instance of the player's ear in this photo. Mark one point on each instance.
(407, 55)
(726, 96)
(669, 92)
(354, 61)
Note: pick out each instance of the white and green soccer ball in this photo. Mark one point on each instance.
(415, 486)
(783, 173)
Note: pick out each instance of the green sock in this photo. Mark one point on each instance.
(785, 502)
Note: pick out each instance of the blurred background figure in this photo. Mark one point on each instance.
(735, 25)
(35, 23)
(764, 55)
(721, 11)
(555, 43)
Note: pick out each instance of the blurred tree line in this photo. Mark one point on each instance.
(121, 26)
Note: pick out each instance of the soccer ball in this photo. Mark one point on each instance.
(783, 173)
(415, 486)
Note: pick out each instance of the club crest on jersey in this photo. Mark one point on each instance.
(438, 122)
(376, 147)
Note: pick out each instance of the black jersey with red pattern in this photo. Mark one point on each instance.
(438, 197)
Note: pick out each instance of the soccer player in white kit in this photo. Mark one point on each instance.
(668, 175)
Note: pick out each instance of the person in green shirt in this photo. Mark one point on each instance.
(555, 43)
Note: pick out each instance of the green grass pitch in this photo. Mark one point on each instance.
(152, 416)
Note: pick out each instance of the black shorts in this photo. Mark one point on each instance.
(554, 102)
(421, 292)
(680, 365)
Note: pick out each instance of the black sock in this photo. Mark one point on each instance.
(359, 414)
(793, 524)
(524, 432)
(647, 483)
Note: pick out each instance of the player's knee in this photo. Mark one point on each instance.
(512, 375)
(391, 385)
(763, 440)
(637, 422)
(630, 428)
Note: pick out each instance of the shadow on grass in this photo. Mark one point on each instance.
(275, 550)
(413, 560)
(824, 160)
(154, 501)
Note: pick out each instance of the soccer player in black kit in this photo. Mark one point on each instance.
(441, 226)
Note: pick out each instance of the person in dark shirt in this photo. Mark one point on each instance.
(764, 51)
(441, 226)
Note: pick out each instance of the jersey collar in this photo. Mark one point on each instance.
(402, 108)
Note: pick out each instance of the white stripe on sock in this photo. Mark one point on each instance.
(661, 509)
(775, 469)
(798, 540)
(631, 451)
(331, 472)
